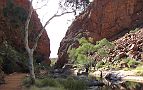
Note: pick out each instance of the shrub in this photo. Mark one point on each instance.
(139, 73)
(27, 82)
(72, 84)
(47, 82)
(68, 84)
(131, 62)
(12, 59)
(100, 64)
(85, 53)
(135, 30)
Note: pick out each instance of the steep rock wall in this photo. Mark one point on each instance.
(102, 19)
(14, 34)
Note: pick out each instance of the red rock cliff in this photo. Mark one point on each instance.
(102, 19)
(14, 36)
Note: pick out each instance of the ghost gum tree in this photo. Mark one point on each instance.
(29, 50)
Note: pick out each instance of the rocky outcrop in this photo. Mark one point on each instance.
(102, 19)
(13, 34)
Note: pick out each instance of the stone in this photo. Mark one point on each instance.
(102, 19)
(122, 54)
(113, 77)
(134, 47)
(14, 35)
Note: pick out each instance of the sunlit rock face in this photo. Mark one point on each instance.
(13, 34)
(102, 19)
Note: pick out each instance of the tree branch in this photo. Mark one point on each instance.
(42, 30)
(42, 6)
(27, 27)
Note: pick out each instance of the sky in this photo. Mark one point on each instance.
(57, 28)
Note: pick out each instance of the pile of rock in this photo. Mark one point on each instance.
(130, 45)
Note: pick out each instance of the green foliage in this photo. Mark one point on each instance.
(83, 40)
(44, 88)
(47, 82)
(139, 73)
(100, 64)
(132, 85)
(135, 30)
(27, 82)
(139, 70)
(10, 57)
(84, 54)
(82, 59)
(81, 55)
(63, 84)
(102, 52)
(72, 54)
(131, 62)
(71, 84)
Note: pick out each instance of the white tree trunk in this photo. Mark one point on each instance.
(31, 66)
(26, 38)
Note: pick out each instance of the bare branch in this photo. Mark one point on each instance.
(42, 30)
(42, 6)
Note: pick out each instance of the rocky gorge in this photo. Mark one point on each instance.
(103, 19)
(119, 21)
(12, 50)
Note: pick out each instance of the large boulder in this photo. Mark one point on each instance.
(102, 19)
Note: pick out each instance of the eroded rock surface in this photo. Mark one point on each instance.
(14, 35)
(11, 38)
(102, 19)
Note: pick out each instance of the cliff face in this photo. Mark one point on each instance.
(12, 31)
(102, 19)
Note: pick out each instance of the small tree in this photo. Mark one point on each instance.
(86, 53)
(26, 18)
(82, 54)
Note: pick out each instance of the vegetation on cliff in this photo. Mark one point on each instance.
(108, 55)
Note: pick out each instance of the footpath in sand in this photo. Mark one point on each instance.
(13, 82)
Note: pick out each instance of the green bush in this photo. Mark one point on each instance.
(135, 30)
(85, 53)
(139, 73)
(68, 84)
(47, 82)
(131, 62)
(10, 57)
(71, 84)
(27, 82)
(100, 64)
